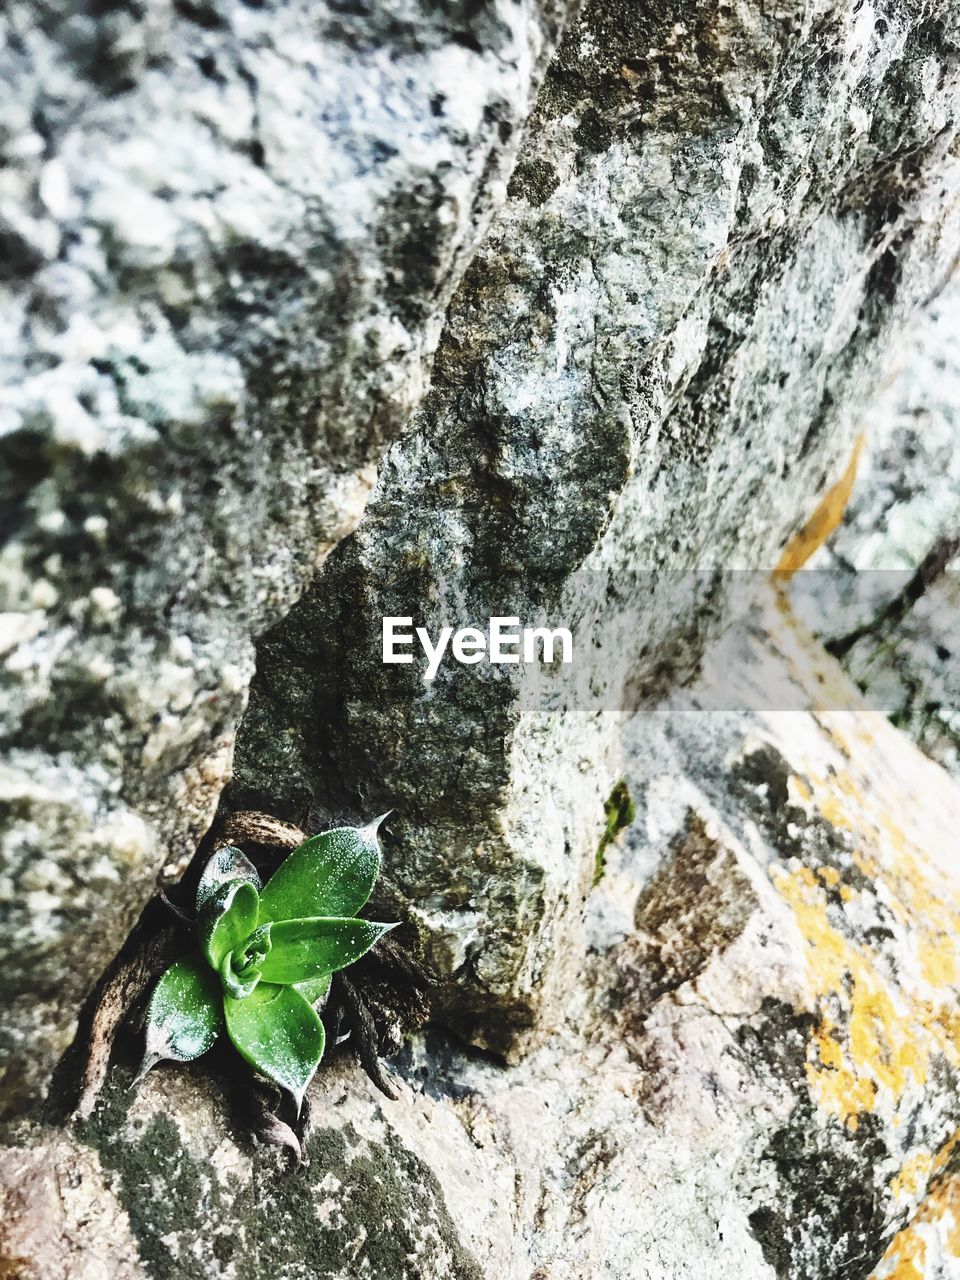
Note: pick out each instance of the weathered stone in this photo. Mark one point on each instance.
(657, 360)
(238, 239)
(754, 1075)
(884, 590)
(229, 234)
(907, 494)
(61, 1219)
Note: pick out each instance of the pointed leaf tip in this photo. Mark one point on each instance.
(279, 1034)
(184, 1014)
(331, 874)
(149, 1061)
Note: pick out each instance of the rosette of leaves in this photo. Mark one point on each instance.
(266, 956)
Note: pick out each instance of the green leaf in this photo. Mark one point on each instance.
(240, 968)
(238, 983)
(279, 1034)
(226, 864)
(328, 875)
(184, 1015)
(228, 918)
(304, 949)
(254, 948)
(314, 989)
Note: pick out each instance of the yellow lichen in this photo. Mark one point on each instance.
(799, 789)
(892, 1032)
(826, 517)
(887, 1009)
(938, 959)
(912, 1177)
(934, 1227)
(905, 1259)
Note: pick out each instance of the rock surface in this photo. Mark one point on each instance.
(755, 1073)
(653, 303)
(897, 631)
(656, 362)
(229, 233)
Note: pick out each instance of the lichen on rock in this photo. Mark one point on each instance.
(759, 1076)
(229, 234)
(655, 364)
(580, 313)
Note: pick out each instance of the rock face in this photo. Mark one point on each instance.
(890, 570)
(754, 1074)
(656, 361)
(316, 313)
(229, 234)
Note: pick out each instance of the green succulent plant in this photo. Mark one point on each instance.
(266, 956)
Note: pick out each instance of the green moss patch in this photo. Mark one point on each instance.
(620, 812)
